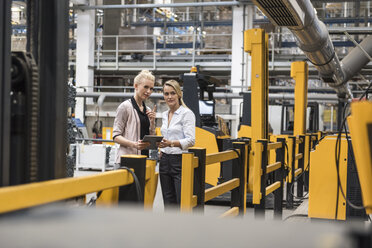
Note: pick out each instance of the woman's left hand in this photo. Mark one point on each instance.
(151, 114)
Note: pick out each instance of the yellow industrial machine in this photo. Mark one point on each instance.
(208, 140)
(208, 130)
(343, 190)
(360, 125)
(245, 131)
(323, 188)
(326, 200)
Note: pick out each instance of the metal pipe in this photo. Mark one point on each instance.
(100, 100)
(169, 5)
(312, 38)
(350, 30)
(357, 58)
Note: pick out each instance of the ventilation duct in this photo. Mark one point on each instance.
(312, 38)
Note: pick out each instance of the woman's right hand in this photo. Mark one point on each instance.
(163, 143)
(140, 145)
(152, 115)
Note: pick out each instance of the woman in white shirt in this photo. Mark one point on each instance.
(178, 130)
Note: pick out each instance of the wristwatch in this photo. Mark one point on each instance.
(172, 144)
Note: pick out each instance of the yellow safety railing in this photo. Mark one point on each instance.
(193, 193)
(261, 171)
(188, 199)
(18, 197)
(110, 197)
(298, 156)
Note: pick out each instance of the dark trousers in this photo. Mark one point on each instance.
(170, 178)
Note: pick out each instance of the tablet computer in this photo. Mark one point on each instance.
(152, 139)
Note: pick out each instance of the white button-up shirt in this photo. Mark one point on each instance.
(181, 128)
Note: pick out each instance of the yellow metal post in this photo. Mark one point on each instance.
(290, 159)
(150, 184)
(110, 197)
(208, 140)
(256, 44)
(299, 72)
(257, 172)
(307, 152)
(246, 158)
(187, 179)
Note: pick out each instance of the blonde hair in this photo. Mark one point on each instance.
(176, 86)
(144, 75)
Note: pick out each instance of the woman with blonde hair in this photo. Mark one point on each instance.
(178, 130)
(133, 119)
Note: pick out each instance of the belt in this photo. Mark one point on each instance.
(172, 155)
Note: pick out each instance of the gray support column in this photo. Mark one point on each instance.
(240, 63)
(85, 46)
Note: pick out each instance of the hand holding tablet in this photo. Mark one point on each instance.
(153, 140)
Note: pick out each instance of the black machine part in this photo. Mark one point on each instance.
(208, 84)
(287, 118)
(194, 86)
(246, 114)
(24, 119)
(353, 191)
(190, 95)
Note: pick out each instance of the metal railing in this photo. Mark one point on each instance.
(160, 50)
(152, 51)
(295, 167)
(193, 193)
(262, 186)
(35, 194)
(288, 164)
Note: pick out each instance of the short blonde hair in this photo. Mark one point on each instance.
(144, 75)
(176, 86)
